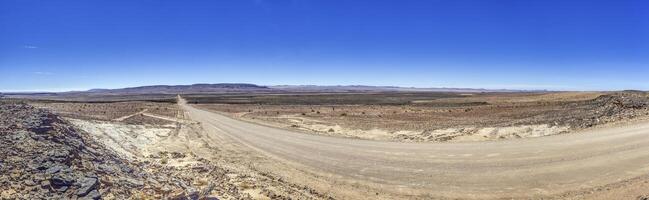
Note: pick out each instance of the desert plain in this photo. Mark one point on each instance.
(327, 145)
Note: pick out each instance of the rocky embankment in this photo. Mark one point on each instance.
(610, 108)
(44, 157)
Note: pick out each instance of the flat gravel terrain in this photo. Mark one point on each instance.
(519, 168)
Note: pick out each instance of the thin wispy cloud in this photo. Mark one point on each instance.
(30, 47)
(43, 73)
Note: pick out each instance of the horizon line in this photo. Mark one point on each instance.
(511, 88)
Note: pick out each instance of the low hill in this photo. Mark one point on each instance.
(185, 89)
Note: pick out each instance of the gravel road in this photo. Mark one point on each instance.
(501, 169)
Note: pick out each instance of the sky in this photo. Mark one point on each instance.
(512, 44)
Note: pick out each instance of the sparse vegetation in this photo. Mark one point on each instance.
(571, 110)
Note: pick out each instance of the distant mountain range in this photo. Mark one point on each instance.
(185, 89)
(365, 88)
(252, 88)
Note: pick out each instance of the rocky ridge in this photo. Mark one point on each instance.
(44, 157)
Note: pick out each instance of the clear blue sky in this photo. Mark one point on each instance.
(531, 44)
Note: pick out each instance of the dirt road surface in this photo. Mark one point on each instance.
(521, 168)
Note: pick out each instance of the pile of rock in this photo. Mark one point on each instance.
(623, 100)
(623, 105)
(613, 107)
(41, 156)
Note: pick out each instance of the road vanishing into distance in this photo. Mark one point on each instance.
(511, 168)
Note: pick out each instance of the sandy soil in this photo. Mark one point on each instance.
(132, 141)
(467, 133)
